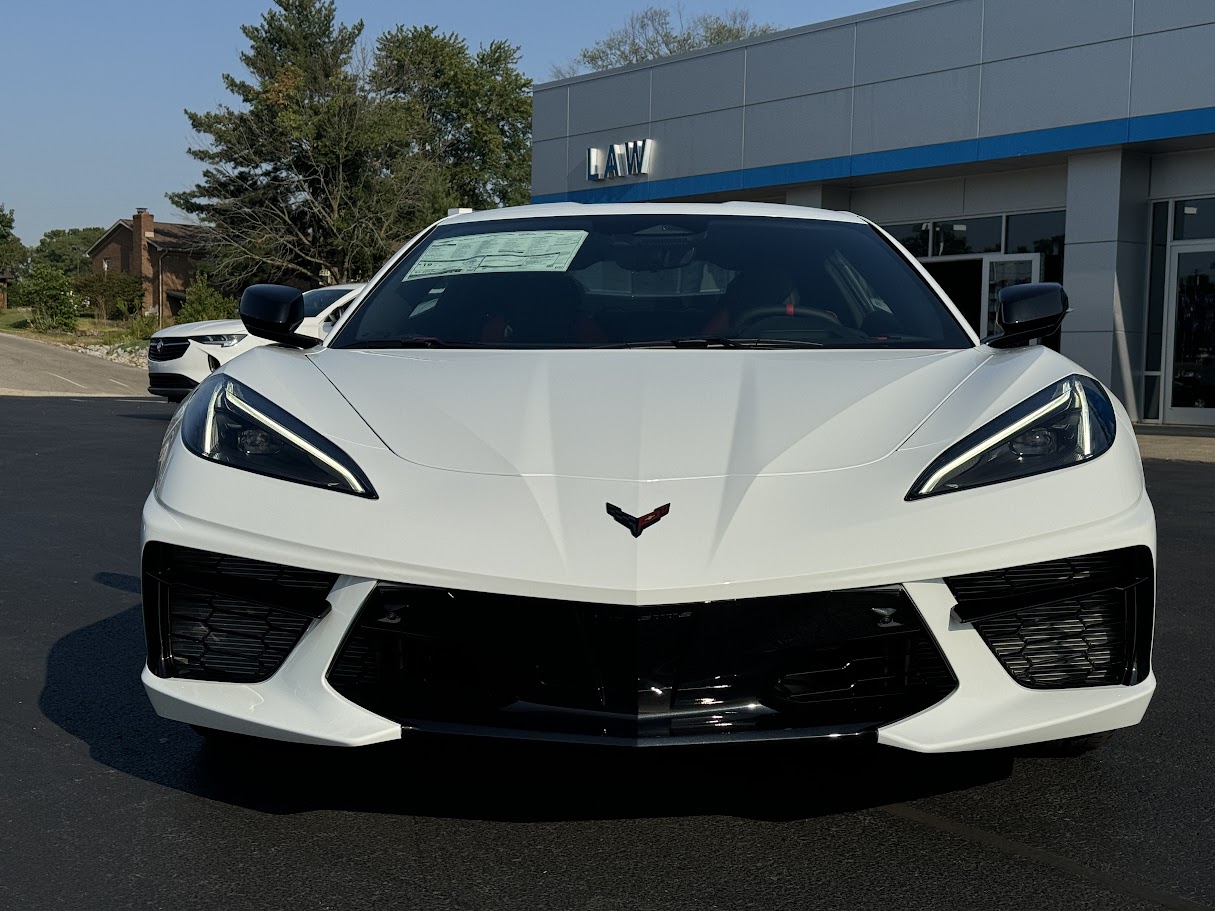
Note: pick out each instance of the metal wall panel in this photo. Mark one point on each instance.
(697, 85)
(548, 166)
(1014, 28)
(550, 109)
(1158, 15)
(1031, 190)
(919, 41)
(1174, 71)
(703, 144)
(896, 203)
(921, 110)
(1093, 197)
(800, 65)
(1183, 174)
(1060, 88)
(798, 129)
(610, 101)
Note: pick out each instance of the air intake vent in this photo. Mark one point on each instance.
(214, 616)
(1083, 621)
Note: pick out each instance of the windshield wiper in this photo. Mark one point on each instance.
(414, 341)
(716, 341)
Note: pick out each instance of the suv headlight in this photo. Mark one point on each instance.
(227, 422)
(1067, 423)
(223, 341)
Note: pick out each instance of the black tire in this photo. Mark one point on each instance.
(1074, 746)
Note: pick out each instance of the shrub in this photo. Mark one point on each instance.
(204, 302)
(111, 294)
(48, 294)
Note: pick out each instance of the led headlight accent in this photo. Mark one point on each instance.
(223, 341)
(227, 422)
(1064, 424)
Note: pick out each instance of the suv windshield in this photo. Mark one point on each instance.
(318, 299)
(652, 279)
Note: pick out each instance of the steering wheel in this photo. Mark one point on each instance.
(829, 322)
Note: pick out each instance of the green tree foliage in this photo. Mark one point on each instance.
(658, 31)
(468, 113)
(204, 302)
(309, 174)
(65, 249)
(48, 292)
(12, 251)
(111, 294)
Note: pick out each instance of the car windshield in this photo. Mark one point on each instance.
(318, 299)
(652, 280)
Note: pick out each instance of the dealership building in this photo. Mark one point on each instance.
(999, 140)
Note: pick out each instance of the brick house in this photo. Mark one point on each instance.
(164, 254)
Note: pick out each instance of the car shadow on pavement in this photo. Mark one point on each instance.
(93, 692)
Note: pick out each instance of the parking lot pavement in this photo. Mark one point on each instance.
(107, 806)
(29, 367)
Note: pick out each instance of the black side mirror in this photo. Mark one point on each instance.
(1028, 312)
(274, 312)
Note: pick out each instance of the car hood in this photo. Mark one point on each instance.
(206, 327)
(645, 415)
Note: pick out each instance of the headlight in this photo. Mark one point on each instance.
(1064, 424)
(227, 422)
(223, 341)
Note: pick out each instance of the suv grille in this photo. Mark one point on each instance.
(790, 666)
(1083, 621)
(218, 617)
(167, 349)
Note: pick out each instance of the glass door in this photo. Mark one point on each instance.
(1190, 394)
(999, 271)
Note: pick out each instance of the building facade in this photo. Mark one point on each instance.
(164, 255)
(1000, 140)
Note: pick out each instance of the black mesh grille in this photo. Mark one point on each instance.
(170, 381)
(220, 617)
(496, 663)
(169, 349)
(1082, 621)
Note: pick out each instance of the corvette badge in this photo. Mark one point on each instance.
(640, 523)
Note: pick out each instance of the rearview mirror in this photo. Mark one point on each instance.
(274, 312)
(1028, 312)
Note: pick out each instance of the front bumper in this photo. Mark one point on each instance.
(986, 707)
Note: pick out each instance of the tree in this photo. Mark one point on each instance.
(468, 113)
(48, 292)
(204, 302)
(12, 251)
(650, 34)
(310, 174)
(65, 249)
(112, 294)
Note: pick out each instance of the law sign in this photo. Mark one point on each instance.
(625, 159)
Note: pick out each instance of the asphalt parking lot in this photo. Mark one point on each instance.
(104, 805)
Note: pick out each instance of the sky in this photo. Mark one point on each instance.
(92, 123)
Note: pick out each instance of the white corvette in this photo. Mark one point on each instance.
(180, 357)
(652, 474)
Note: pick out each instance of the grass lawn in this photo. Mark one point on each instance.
(89, 331)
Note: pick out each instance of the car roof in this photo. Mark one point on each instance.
(568, 209)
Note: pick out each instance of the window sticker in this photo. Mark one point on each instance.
(509, 251)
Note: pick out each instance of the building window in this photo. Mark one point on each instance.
(913, 236)
(1039, 232)
(958, 237)
(1194, 219)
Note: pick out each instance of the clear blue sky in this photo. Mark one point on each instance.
(91, 125)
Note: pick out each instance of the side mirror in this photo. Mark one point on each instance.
(1028, 312)
(274, 312)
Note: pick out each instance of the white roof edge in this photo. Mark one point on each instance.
(552, 209)
(881, 13)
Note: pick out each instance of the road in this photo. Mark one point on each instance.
(29, 367)
(106, 806)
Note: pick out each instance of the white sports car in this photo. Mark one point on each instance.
(652, 474)
(181, 357)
